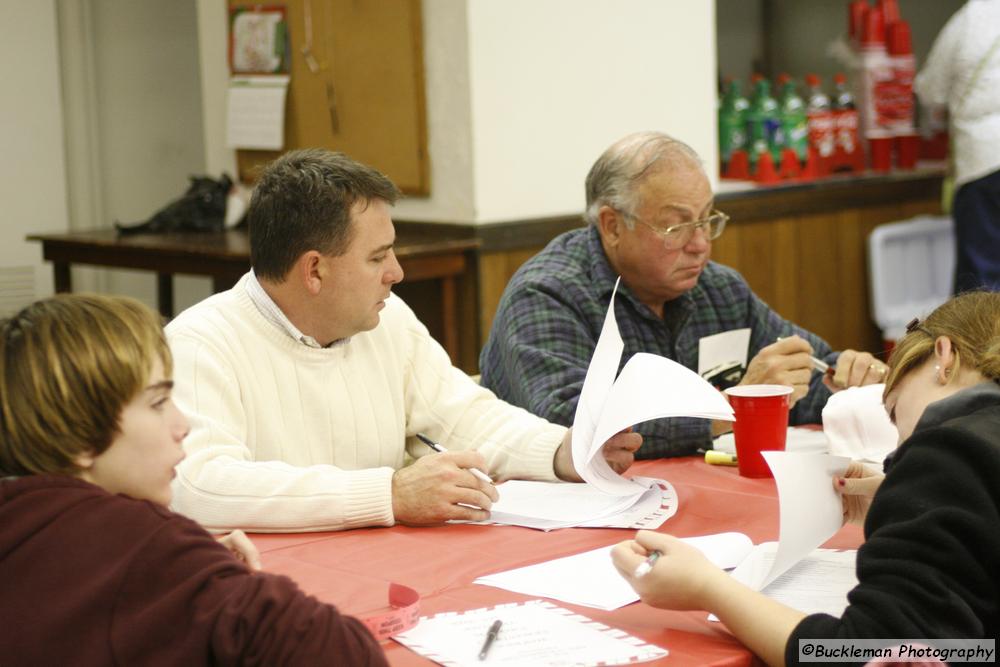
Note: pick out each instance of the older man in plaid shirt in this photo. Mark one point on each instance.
(651, 221)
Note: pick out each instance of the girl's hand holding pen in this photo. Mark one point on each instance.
(680, 578)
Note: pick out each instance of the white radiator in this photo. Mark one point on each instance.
(17, 288)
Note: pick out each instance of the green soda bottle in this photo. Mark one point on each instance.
(732, 122)
(762, 122)
(794, 122)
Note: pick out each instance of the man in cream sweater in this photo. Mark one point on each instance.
(306, 383)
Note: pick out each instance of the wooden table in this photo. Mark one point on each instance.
(225, 256)
(352, 569)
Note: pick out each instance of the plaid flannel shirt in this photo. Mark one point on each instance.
(551, 314)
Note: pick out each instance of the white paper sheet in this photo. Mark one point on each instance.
(596, 387)
(818, 583)
(810, 510)
(552, 505)
(534, 633)
(723, 348)
(590, 579)
(555, 503)
(653, 508)
(649, 387)
(653, 387)
(256, 112)
(857, 425)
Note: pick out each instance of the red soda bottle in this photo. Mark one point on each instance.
(820, 121)
(847, 149)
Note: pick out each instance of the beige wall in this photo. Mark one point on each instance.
(555, 82)
(521, 99)
(32, 182)
(131, 79)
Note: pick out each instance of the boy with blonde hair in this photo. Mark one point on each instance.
(95, 569)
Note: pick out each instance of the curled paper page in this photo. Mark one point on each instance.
(649, 387)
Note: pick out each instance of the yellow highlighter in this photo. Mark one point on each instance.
(720, 458)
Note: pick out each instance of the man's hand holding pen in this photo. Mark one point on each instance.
(790, 361)
(787, 361)
(855, 369)
(440, 487)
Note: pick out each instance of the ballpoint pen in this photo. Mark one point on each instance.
(820, 365)
(817, 363)
(441, 450)
(647, 565)
(491, 635)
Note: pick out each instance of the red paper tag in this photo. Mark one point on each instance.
(405, 613)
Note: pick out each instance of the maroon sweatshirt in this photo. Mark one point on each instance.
(90, 578)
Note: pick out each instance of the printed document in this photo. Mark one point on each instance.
(532, 633)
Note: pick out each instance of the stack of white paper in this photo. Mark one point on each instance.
(649, 387)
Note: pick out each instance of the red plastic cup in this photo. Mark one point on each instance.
(907, 148)
(761, 424)
(857, 12)
(880, 153)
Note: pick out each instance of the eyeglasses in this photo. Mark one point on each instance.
(678, 236)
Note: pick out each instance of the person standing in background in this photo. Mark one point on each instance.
(963, 72)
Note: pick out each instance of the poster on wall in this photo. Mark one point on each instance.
(258, 85)
(258, 40)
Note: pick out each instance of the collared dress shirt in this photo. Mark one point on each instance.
(273, 313)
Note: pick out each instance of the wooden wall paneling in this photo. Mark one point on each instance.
(495, 271)
(909, 209)
(468, 318)
(849, 302)
(809, 280)
(726, 249)
(757, 260)
(789, 260)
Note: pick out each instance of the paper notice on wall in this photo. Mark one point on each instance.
(256, 112)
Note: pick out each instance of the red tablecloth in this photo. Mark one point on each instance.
(352, 569)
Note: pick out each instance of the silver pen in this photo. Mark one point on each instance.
(646, 566)
(441, 450)
(491, 636)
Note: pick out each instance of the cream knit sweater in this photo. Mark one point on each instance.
(285, 437)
